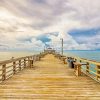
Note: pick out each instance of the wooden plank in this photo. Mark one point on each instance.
(9, 66)
(49, 80)
(9, 71)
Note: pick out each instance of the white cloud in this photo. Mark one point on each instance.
(29, 18)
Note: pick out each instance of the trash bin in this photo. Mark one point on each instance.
(70, 62)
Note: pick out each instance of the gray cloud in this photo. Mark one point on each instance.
(31, 18)
(45, 11)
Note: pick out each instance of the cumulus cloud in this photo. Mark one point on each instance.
(29, 24)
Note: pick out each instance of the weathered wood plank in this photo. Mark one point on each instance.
(50, 79)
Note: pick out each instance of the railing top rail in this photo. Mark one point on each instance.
(89, 61)
(12, 60)
(83, 59)
(16, 59)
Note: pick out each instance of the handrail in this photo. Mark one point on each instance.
(83, 66)
(91, 68)
(10, 67)
(87, 60)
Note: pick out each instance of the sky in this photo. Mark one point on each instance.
(27, 25)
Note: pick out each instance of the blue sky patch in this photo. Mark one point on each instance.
(84, 32)
(44, 38)
(82, 35)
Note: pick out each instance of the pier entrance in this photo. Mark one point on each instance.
(49, 79)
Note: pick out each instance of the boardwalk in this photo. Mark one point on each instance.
(50, 79)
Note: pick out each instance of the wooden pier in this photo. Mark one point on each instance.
(47, 79)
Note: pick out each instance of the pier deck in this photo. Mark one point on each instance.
(50, 79)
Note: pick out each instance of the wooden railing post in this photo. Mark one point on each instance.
(24, 63)
(64, 60)
(3, 72)
(87, 67)
(19, 65)
(14, 67)
(28, 61)
(77, 68)
(31, 63)
(98, 72)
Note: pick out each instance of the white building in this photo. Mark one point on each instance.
(49, 50)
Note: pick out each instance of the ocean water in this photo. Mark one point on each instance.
(9, 55)
(91, 55)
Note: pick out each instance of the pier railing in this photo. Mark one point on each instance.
(10, 67)
(83, 66)
(89, 67)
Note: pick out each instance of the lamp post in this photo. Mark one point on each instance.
(62, 46)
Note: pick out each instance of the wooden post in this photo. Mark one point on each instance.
(14, 67)
(87, 67)
(98, 72)
(64, 59)
(24, 63)
(3, 72)
(19, 65)
(77, 68)
(28, 61)
(31, 63)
